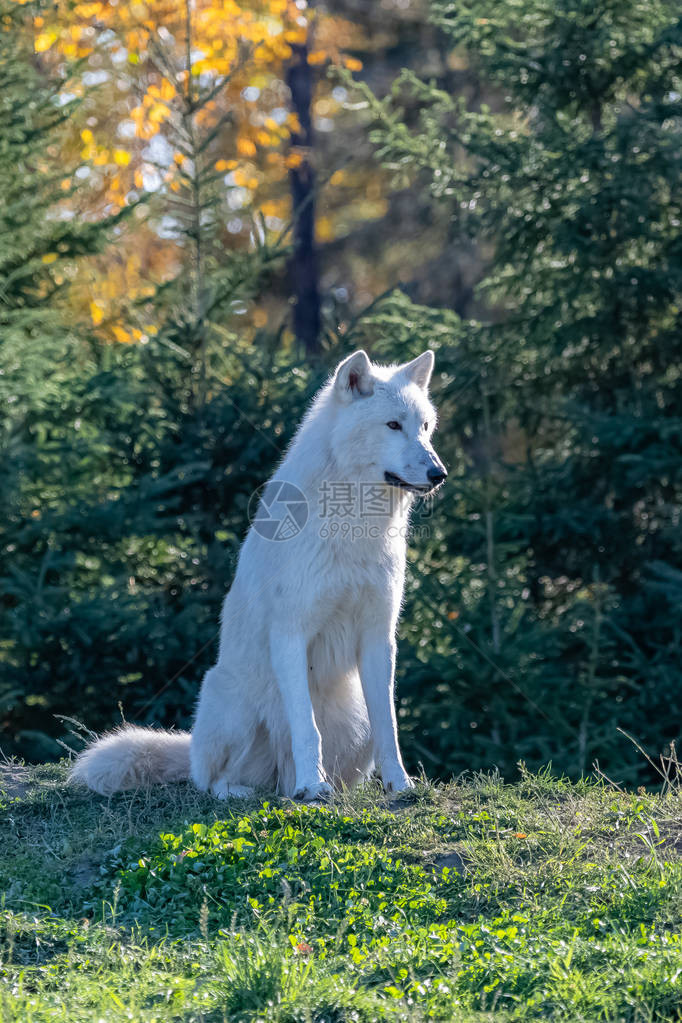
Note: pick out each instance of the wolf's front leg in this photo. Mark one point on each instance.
(289, 654)
(377, 671)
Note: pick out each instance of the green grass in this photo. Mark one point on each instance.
(474, 901)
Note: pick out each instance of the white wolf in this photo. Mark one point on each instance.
(302, 695)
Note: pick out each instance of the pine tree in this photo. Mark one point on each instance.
(38, 353)
(557, 551)
(127, 468)
(34, 242)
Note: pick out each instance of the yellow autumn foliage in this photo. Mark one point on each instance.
(96, 313)
(240, 50)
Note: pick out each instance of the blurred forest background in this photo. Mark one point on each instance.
(204, 205)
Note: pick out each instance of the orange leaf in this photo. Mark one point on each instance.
(246, 147)
(293, 123)
(44, 41)
(96, 312)
(324, 230)
(317, 57)
(158, 113)
(167, 90)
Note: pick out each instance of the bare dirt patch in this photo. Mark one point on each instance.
(15, 780)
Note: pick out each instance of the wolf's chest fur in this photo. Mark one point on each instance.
(349, 580)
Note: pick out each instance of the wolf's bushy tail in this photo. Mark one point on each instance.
(131, 758)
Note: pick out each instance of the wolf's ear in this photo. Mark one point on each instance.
(420, 369)
(354, 378)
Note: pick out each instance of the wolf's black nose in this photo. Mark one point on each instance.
(436, 476)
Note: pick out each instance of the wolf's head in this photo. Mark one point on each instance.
(384, 422)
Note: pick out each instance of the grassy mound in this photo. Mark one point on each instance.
(472, 901)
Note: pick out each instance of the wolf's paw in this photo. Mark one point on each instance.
(397, 781)
(317, 792)
(226, 790)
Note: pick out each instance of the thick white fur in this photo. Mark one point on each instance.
(301, 696)
(131, 757)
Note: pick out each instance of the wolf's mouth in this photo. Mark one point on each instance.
(396, 481)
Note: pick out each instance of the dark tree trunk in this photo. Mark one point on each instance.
(303, 267)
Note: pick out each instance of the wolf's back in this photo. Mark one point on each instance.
(131, 758)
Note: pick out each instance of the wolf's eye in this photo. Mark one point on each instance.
(426, 426)
(393, 425)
